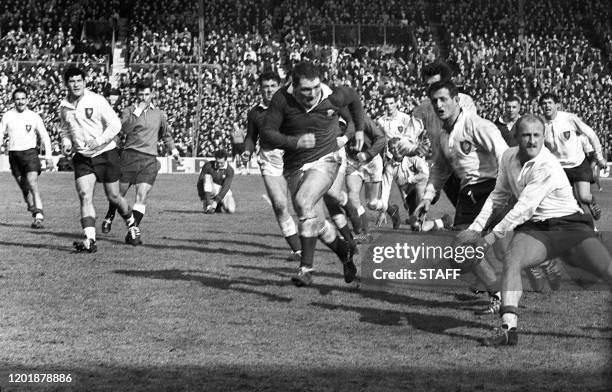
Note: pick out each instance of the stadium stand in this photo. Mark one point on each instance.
(496, 50)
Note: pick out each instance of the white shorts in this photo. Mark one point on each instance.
(368, 171)
(271, 162)
(343, 160)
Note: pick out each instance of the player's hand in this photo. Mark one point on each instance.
(382, 219)
(359, 140)
(602, 164)
(50, 166)
(66, 147)
(362, 157)
(422, 209)
(341, 140)
(306, 141)
(92, 144)
(245, 157)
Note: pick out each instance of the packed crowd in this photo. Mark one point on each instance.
(494, 55)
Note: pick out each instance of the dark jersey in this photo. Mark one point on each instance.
(220, 176)
(374, 140)
(255, 123)
(286, 120)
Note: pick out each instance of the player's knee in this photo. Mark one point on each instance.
(85, 197)
(304, 204)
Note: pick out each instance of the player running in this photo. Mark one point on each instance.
(22, 126)
(89, 126)
(143, 124)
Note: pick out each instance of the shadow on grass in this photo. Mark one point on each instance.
(307, 377)
(366, 292)
(202, 249)
(219, 283)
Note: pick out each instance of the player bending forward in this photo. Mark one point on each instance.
(546, 220)
(214, 185)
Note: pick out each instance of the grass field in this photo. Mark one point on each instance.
(206, 305)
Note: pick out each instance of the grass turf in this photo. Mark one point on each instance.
(206, 304)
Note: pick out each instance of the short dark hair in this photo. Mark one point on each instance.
(270, 75)
(513, 98)
(528, 118)
(73, 71)
(389, 95)
(304, 70)
(220, 154)
(142, 86)
(437, 68)
(548, 96)
(444, 83)
(19, 90)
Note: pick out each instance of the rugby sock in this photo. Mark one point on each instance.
(294, 242)
(308, 245)
(88, 224)
(138, 210)
(110, 214)
(343, 228)
(363, 218)
(129, 219)
(509, 316)
(289, 230)
(328, 235)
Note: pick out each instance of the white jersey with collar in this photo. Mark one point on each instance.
(22, 128)
(562, 139)
(91, 118)
(540, 187)
(410, 171)
(472, 151)
(401, 125)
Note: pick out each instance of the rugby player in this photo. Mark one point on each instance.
(22, 126)
(505, 123)
(214, 184)
(469, 147)
(143, 124)
(545, 222)
(432, 73)
(88, 124)
(303, 120)
(562, 130)
(364, 170)
(270, 162)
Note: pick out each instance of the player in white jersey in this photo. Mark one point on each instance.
(562, 130)
(88, 127)
(433, 73)
(545, 222)
(396, 124)
(469, 147)
(22, 126)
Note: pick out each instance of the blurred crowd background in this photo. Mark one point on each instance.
(501, 48)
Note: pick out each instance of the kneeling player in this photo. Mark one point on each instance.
(547, 222)
(214, 185)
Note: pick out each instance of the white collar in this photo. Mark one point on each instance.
(326, 91)
(70, 105)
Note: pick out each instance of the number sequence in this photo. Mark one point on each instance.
(40, 378)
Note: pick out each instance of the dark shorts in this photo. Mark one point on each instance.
(138, 168)
(238, 148)
(23, 162)
(560, 235)
(470, 201)
(105, 166)
(580, 173)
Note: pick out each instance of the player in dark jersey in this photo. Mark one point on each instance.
(303, 120)
(270, 162)
(214, 185)
(143, 124)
